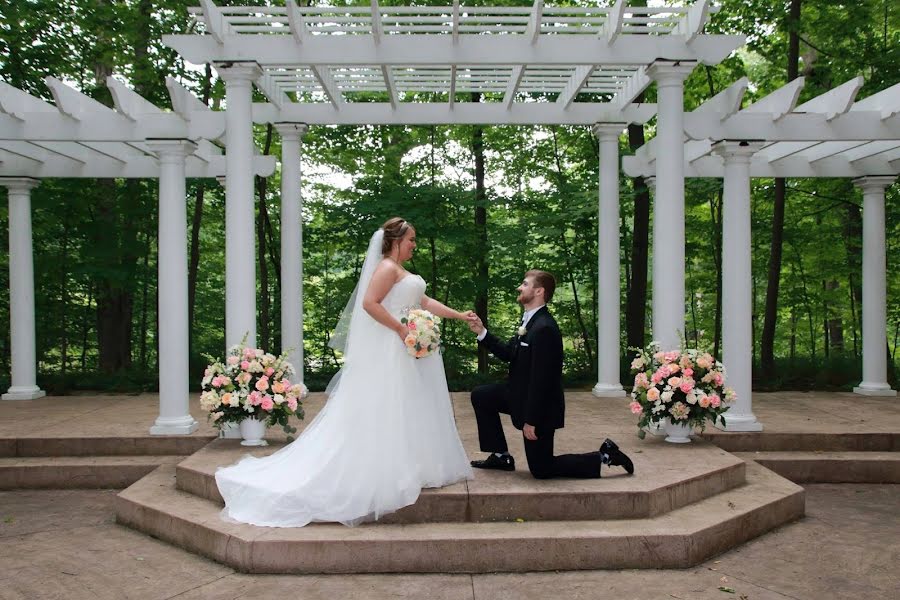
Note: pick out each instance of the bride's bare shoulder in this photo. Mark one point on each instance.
(387, 268)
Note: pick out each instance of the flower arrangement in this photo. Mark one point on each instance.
(686, 386)
(251, 383)
(424, 337)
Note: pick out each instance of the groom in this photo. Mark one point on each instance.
(533, 393)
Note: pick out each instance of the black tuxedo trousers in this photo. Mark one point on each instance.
(490, 401)
(533, 395)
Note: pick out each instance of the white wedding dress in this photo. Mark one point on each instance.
(386, 431)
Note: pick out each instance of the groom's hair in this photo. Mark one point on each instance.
(394, 229)
(543, 279)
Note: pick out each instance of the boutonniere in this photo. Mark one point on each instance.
(522, 331)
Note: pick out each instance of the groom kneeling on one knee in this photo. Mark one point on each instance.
(533, 393)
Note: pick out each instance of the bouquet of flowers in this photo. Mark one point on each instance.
(686, 386)
(424, 337)
(251, 383)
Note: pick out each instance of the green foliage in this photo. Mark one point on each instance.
(96, 241)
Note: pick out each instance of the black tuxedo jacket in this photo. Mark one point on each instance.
(534, 387)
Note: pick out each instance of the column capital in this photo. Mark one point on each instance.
(650, 182)
(291, 131)
(740, 150)
(236, 72)
(19, 184)
(172, 149)
(608, 130)
(874, 181)
(667, 72)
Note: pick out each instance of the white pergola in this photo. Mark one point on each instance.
(80, 138)
(831, 135)
(535, 65)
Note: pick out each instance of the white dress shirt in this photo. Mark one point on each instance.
(525, 318)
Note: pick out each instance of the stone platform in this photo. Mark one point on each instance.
(683, 505)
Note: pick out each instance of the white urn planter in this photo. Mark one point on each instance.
(252, 431)
(677, 433)
(230, 431)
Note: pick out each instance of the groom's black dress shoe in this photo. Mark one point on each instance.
(501, 463)
(616, 458)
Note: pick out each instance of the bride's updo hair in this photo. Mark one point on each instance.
(394, 230)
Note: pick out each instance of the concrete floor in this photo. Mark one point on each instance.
(65, 545)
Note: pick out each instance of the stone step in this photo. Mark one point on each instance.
(79, 472)
(770, 441)
(831, 467)
(499, 496)
(103, 446)
(681, 538)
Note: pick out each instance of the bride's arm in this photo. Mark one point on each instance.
(382, 281)
(439, 309)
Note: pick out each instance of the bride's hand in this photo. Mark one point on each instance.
(402, 332)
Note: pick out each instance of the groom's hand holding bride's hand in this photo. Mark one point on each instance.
(475, 324)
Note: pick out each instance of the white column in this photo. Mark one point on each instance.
(668, 204)
(240, 281)
(292, 243)
(174, 378)
(874, 295)
(21, 291)
(608, 291)
(737, 284)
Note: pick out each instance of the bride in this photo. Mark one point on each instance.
(387, 429)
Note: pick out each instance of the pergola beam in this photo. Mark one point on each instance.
(793, 166)
(423, 49)
(579, 77)
(144, 167)
(612, 27)
(460, 113)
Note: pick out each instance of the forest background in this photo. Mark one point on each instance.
(488, 203)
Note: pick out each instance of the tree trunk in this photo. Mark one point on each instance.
(85, 328)
(196, 221)
(64, 296)
(481, 236)
(145, 309)
(767, 347)
(636, 302)
(835, 324)
(262, 216)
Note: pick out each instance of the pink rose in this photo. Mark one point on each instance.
(245, 365)
(217, 381)
(233, 360)
(686, 385)
(254, 398)
(673, 368)
(641, 381)
(688, 372)
(267, 403)
(672, 355)
(292, 403)
(674, 381)
(704, 401)
(715, 401)
(263, 384)
(278, 387)
(653, 394)
(270, 371)
(411, 325)
(636, 408)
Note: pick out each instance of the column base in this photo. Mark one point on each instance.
(740, 423)
(608, 390)
(31, 392)
(874, 389)
(174, 426)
